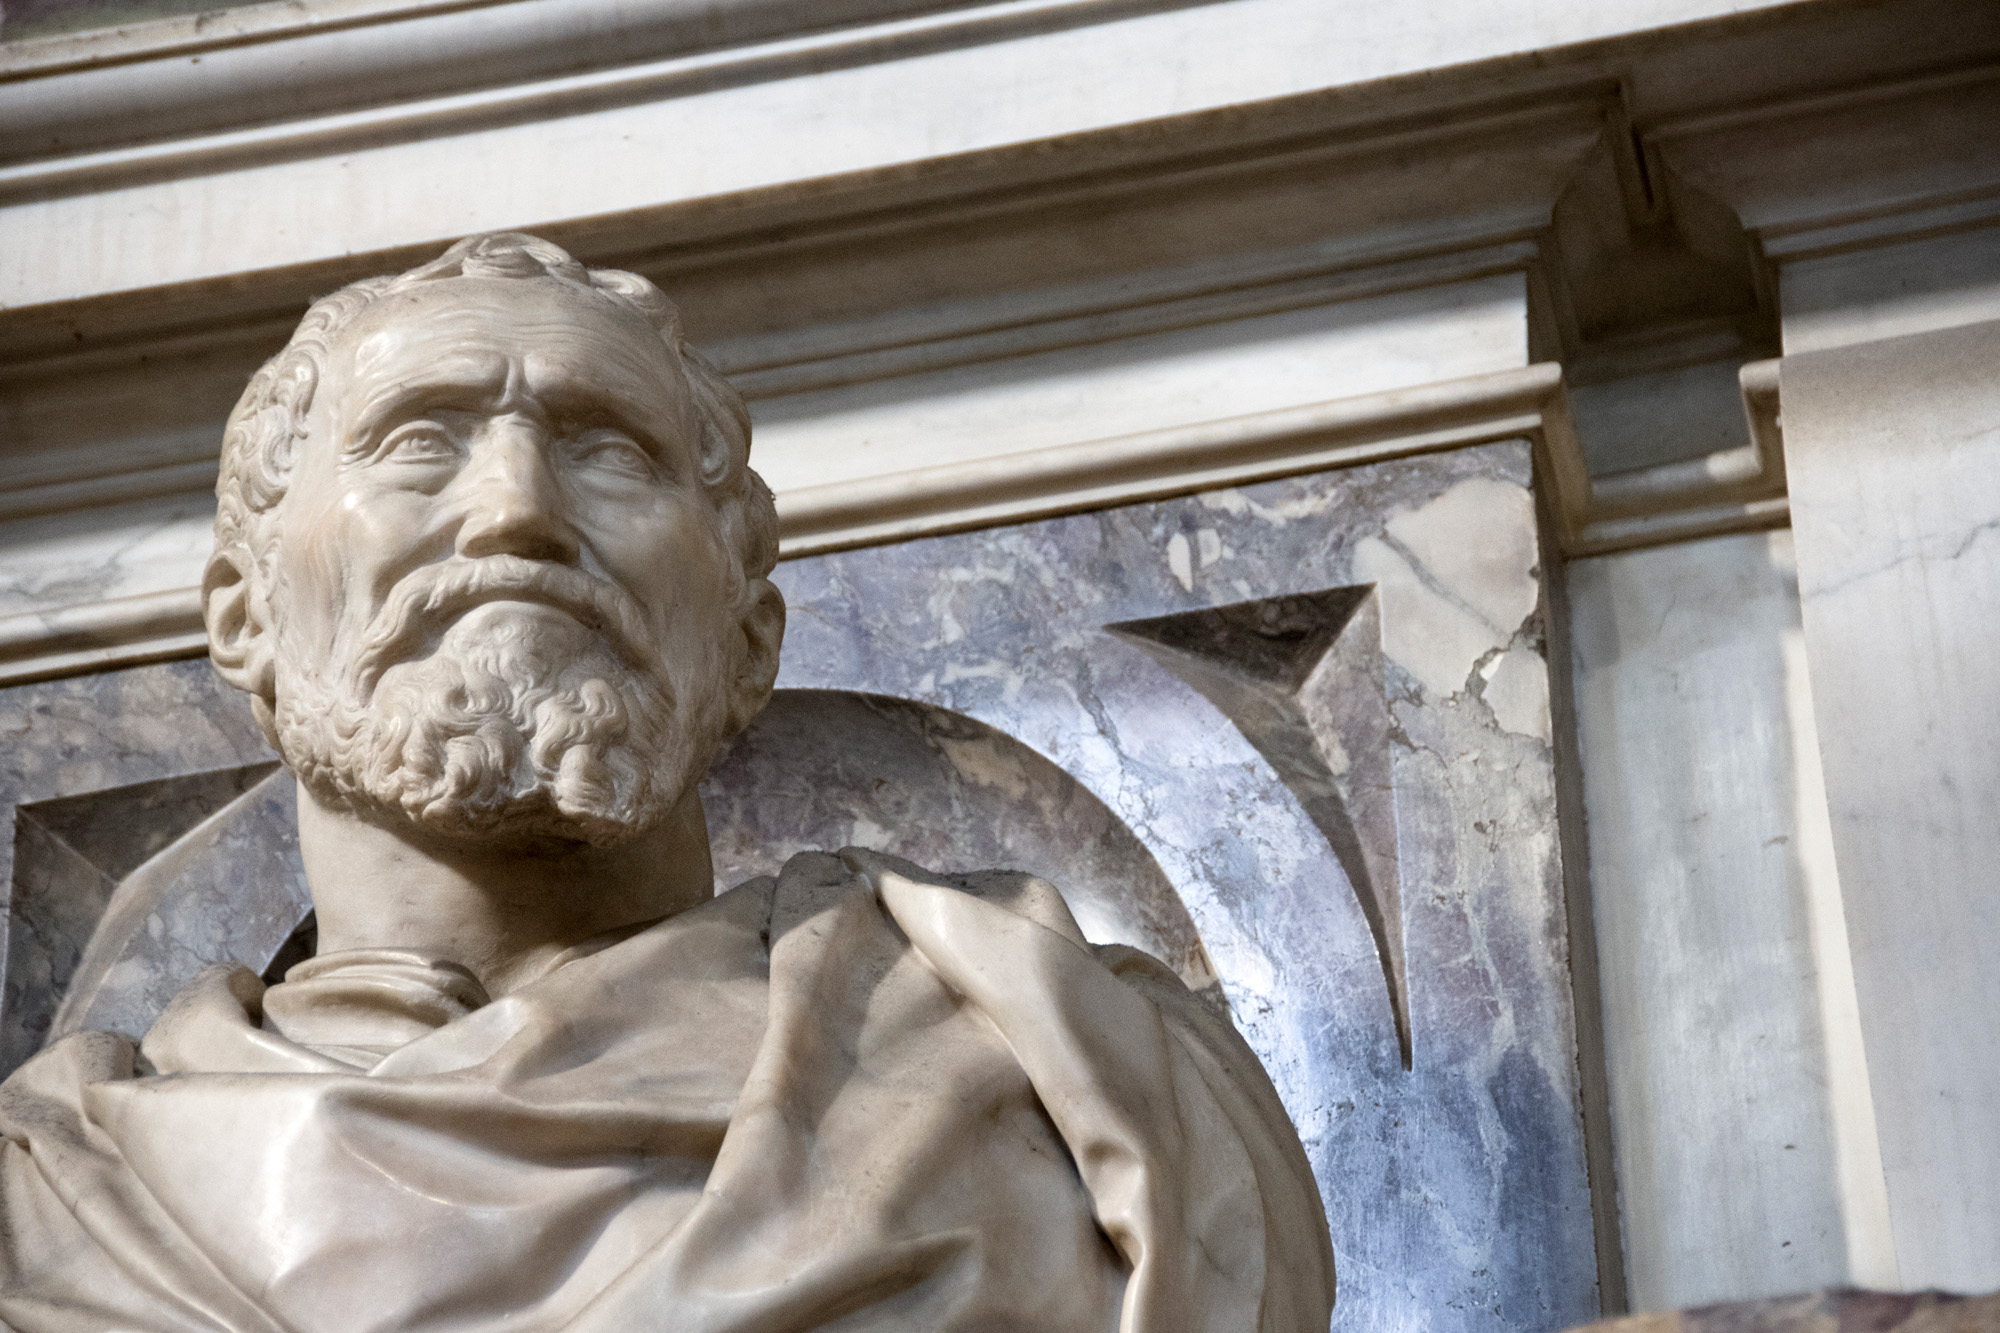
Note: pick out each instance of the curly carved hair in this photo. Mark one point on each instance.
(261, 441)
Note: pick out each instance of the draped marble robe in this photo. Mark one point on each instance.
(854, 1097)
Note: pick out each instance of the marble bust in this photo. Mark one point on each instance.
(491, 566)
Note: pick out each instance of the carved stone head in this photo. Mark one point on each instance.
(489, 556)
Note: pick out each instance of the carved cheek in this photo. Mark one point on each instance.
(386, 536)
(346, 549)
(304, 596)
(674, 560)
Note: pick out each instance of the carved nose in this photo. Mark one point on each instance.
(513, 505)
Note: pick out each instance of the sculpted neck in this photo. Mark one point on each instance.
(503, 914)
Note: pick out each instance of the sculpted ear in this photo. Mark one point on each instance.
(759, 632)
(239, 642)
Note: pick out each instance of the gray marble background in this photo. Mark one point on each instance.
(1294, 738)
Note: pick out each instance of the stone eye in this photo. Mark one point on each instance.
(419, 442)
(612, 451)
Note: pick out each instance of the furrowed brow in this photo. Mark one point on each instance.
(460, 383)
(651, 424)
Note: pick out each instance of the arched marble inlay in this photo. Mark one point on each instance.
(831, 768)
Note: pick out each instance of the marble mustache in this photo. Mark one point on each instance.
(491, 564)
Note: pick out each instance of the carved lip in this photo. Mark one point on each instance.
(441, 594)
(587, 615)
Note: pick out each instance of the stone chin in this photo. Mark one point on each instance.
(521, 724)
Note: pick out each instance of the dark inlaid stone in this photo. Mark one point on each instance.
(1301, 677)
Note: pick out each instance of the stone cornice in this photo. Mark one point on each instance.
(1870, 164)
(162, 117)
(208, 102)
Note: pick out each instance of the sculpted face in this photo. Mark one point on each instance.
(503, 602)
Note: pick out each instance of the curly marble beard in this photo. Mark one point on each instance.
(556, 723)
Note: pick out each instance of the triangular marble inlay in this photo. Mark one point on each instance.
(70, 854)
(1301, 677)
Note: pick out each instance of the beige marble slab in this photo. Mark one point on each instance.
(1747, 1164)
(1894, 457)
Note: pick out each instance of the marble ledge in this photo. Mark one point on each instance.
(1034, 63)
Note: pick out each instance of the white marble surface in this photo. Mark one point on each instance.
(1890, 291)
(1150, 382)
(1451, 607)
(58, 560)
(1740, 1112)
(798, 119)
(1894, 459)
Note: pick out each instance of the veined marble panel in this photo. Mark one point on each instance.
(100, 774)
(1894, 456)
(1004, 719)
(1740, 1112)
(94, 555)
(1456, 1188)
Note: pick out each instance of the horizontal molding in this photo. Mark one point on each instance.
(1874, 163)
(1080, 317)
(1979, 209)
(181, 76)
(183, 461)
(1260, 191)
(804, 38)
(1262, 211)
(524, 86)
(1735, 491)
(184, 35)
(70, 640)
(1436, 121)
(1610, 536)
(1235, 451)
(116, 488)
